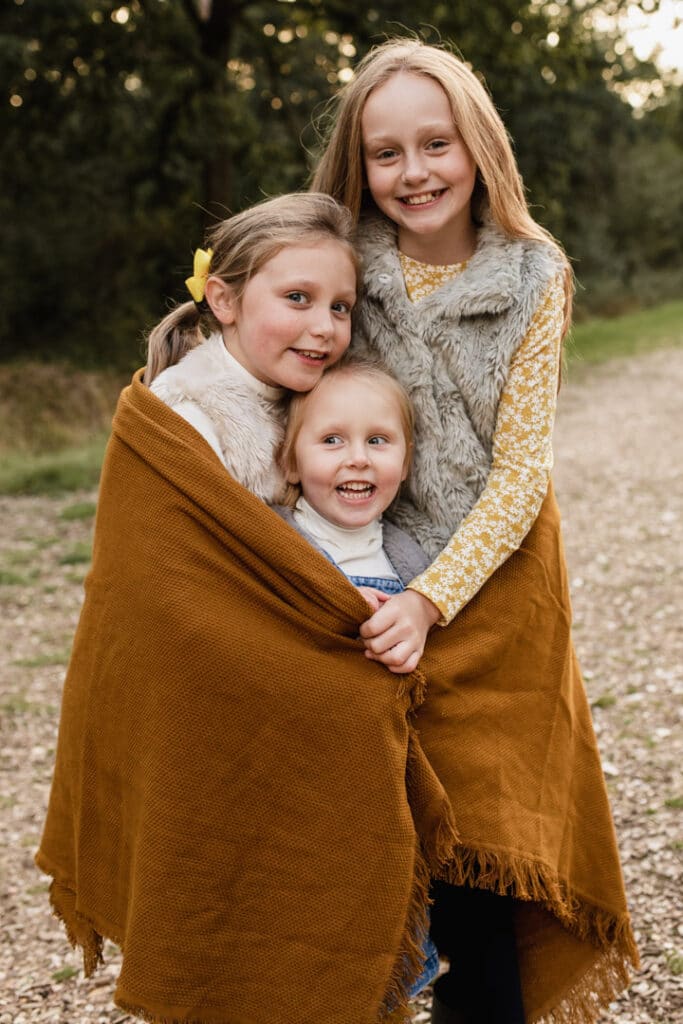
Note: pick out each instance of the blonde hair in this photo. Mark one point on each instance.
(242, 245)
(350, 367)
(499, 185)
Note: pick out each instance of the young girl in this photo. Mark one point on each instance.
(274, 290)
(466, 300)
(239, 799)
(345, 454)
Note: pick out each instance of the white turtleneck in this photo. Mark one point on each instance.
(196, 416)
(357, 552)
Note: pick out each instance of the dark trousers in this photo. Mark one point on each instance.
(474, 930)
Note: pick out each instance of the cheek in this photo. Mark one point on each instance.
(314, 470)
(377, 180)
(344, 335)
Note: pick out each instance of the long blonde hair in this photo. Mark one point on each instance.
(349, 368)
(499, 185)
(242, 245)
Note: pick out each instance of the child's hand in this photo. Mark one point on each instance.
(375, 598)
(396, 633)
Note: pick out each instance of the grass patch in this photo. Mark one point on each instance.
(20, 557)
(44, 660)
(15, 705)
(80, 553)
(49, 407)
(81, 510)
(41, 543)
(73, 469)
(64, 973)
(675, 963)
(596, 341)
(9, 578)
(607, 700)
(675, 803)
(76, 577)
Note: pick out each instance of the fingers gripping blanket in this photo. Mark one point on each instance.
(237, 790)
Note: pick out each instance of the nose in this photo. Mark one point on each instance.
(322, 324)
(415, 169)
(357, 454)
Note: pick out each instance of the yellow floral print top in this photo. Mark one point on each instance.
(522, 452)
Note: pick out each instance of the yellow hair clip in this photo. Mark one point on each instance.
(197, 283)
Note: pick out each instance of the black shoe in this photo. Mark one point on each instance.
(442, 1014)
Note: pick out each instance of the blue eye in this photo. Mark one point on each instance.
(298, 297)
(437, 144)
(332, 439)
(377, 439)
(341, 307)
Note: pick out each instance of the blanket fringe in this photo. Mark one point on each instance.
(411, 956)
(595, 990)
(610, 933)
(153, 1018)
(528, 880)
(79, 930)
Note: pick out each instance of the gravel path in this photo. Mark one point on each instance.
(618, 441)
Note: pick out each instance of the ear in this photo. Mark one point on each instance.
(293, 477)
(221, 300)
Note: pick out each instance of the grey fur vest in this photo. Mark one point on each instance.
(452, 352)
(249, 426)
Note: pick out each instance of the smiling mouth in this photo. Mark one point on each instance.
(317, 357)
(356, 490)
(422, 199)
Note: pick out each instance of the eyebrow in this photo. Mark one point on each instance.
(302, 285)
(435, 128)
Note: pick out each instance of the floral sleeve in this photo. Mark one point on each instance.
(520, 469)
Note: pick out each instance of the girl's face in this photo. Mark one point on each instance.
(419, 171)
(351, 453)
(294, 316)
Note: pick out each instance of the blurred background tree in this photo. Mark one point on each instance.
(127, 127)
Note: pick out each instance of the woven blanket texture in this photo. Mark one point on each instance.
(252, 809)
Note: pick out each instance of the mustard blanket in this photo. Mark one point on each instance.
(240, 798)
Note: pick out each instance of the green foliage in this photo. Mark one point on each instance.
(74, 469)
(128, 126)
(629, 334)
(45, 407)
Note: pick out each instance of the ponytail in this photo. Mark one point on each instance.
(174, 337)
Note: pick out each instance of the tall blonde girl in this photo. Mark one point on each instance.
(466, 299)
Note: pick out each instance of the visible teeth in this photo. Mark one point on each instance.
(428, 197)
(311, 355)
(362, 490)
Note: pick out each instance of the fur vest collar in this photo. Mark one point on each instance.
(248, 424)
(452, 351)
